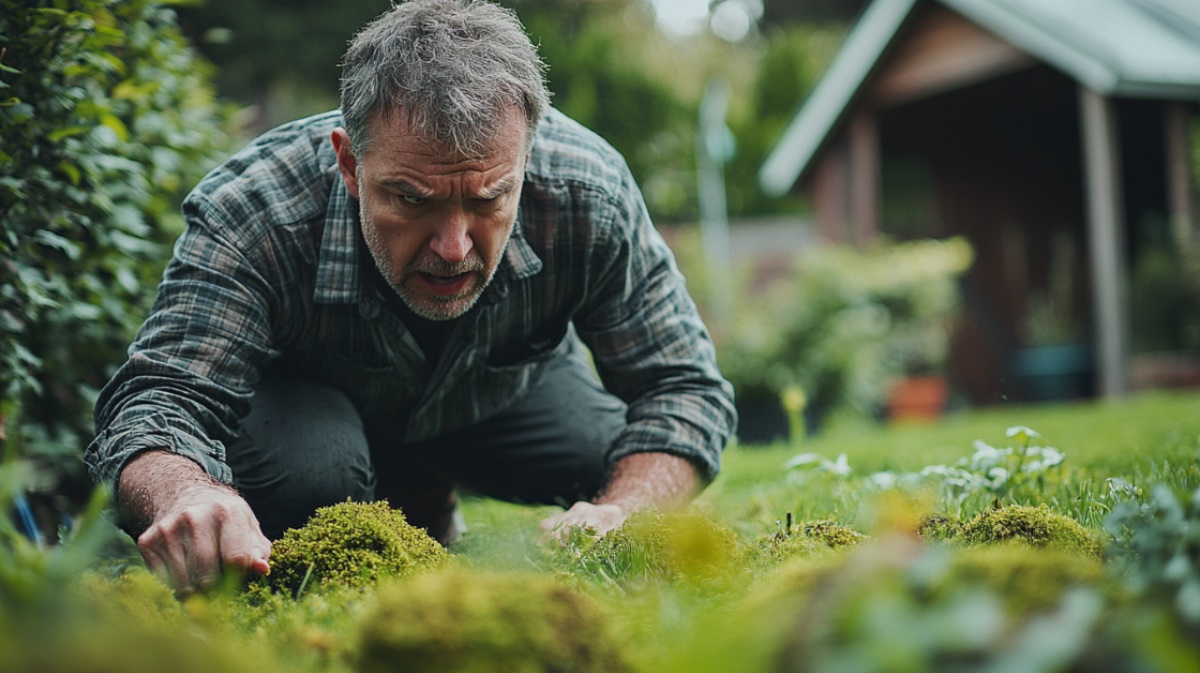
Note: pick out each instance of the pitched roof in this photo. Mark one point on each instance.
(1138, 48)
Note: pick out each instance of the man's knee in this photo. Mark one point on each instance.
(302, 447)
(548, 448)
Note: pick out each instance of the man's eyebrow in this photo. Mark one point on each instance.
(406, 188)
(499, 189)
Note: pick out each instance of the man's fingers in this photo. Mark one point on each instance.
(202, 556)
(191, 547)
(167, 553)
(243, 546)
(599, 518)
(155, 562)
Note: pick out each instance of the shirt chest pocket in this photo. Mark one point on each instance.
(548, 340)
(367, 384)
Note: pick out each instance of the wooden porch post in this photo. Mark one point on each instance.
(864, 181)
(831, 188)
(1179, 175)
(1110, 293)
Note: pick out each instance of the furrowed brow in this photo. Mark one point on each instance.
(499, 189)
(406, 188)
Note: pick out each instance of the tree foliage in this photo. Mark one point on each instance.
(280, 56)
(792, 62)
(107, 117)
(598, 76)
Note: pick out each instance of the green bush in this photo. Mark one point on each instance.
(846, 323)
(107, 119)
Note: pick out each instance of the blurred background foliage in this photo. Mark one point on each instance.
(107, 117)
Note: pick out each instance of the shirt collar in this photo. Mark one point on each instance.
(338, 280)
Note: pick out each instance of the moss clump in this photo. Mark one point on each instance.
(830, 533)
(683, 546)
(1034, 526)
(805, 540)
(939, 528)
(135, 597)
(124, 623)
(459, 621)
(1026, 579)
(352, 545)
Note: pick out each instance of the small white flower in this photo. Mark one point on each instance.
(841, 467)
(883, 480)
(803, 460)
(1118, 488)
(997, 477)
(1021, 432)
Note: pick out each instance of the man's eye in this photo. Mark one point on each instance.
(412, 200)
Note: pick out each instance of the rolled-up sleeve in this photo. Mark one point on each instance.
(189, 375)
(650, 345)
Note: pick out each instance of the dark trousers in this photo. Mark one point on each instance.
(304, 446)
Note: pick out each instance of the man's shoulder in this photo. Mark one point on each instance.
(282, 176)
(565, 151)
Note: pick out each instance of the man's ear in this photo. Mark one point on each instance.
(347, 162)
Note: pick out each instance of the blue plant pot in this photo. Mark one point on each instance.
(1056, 372)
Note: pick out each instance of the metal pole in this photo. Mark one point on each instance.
(714, 148)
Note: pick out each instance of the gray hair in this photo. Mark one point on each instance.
(454, 67)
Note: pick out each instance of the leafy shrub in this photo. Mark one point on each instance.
(106, 117)
(846, 323)
(1009, 475)
(894, 606)
(1157, 549)
(352, 545)
(466, 621)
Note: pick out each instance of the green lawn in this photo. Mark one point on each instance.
(1144, 439)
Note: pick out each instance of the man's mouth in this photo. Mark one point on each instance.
(445, 285)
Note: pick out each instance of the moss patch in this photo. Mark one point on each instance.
(683, 546)
(939, 528)
(1035, 526)
(352, 545)
(804, 540)
(1026, 579)
(460, 621)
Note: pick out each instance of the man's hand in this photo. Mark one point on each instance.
(601, 518)
(638, 481)
(195, 527)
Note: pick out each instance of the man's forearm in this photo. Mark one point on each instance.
(150, 479)
(658, 480)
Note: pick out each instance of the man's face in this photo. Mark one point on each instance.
(437, 223)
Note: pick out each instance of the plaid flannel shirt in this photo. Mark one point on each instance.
(270, 272)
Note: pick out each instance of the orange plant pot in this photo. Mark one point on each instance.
(917, 398)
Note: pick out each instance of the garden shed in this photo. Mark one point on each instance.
(1060, 139)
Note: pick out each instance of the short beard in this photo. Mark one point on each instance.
(435, 309)
(444, 308)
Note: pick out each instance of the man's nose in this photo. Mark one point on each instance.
(451, 241)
